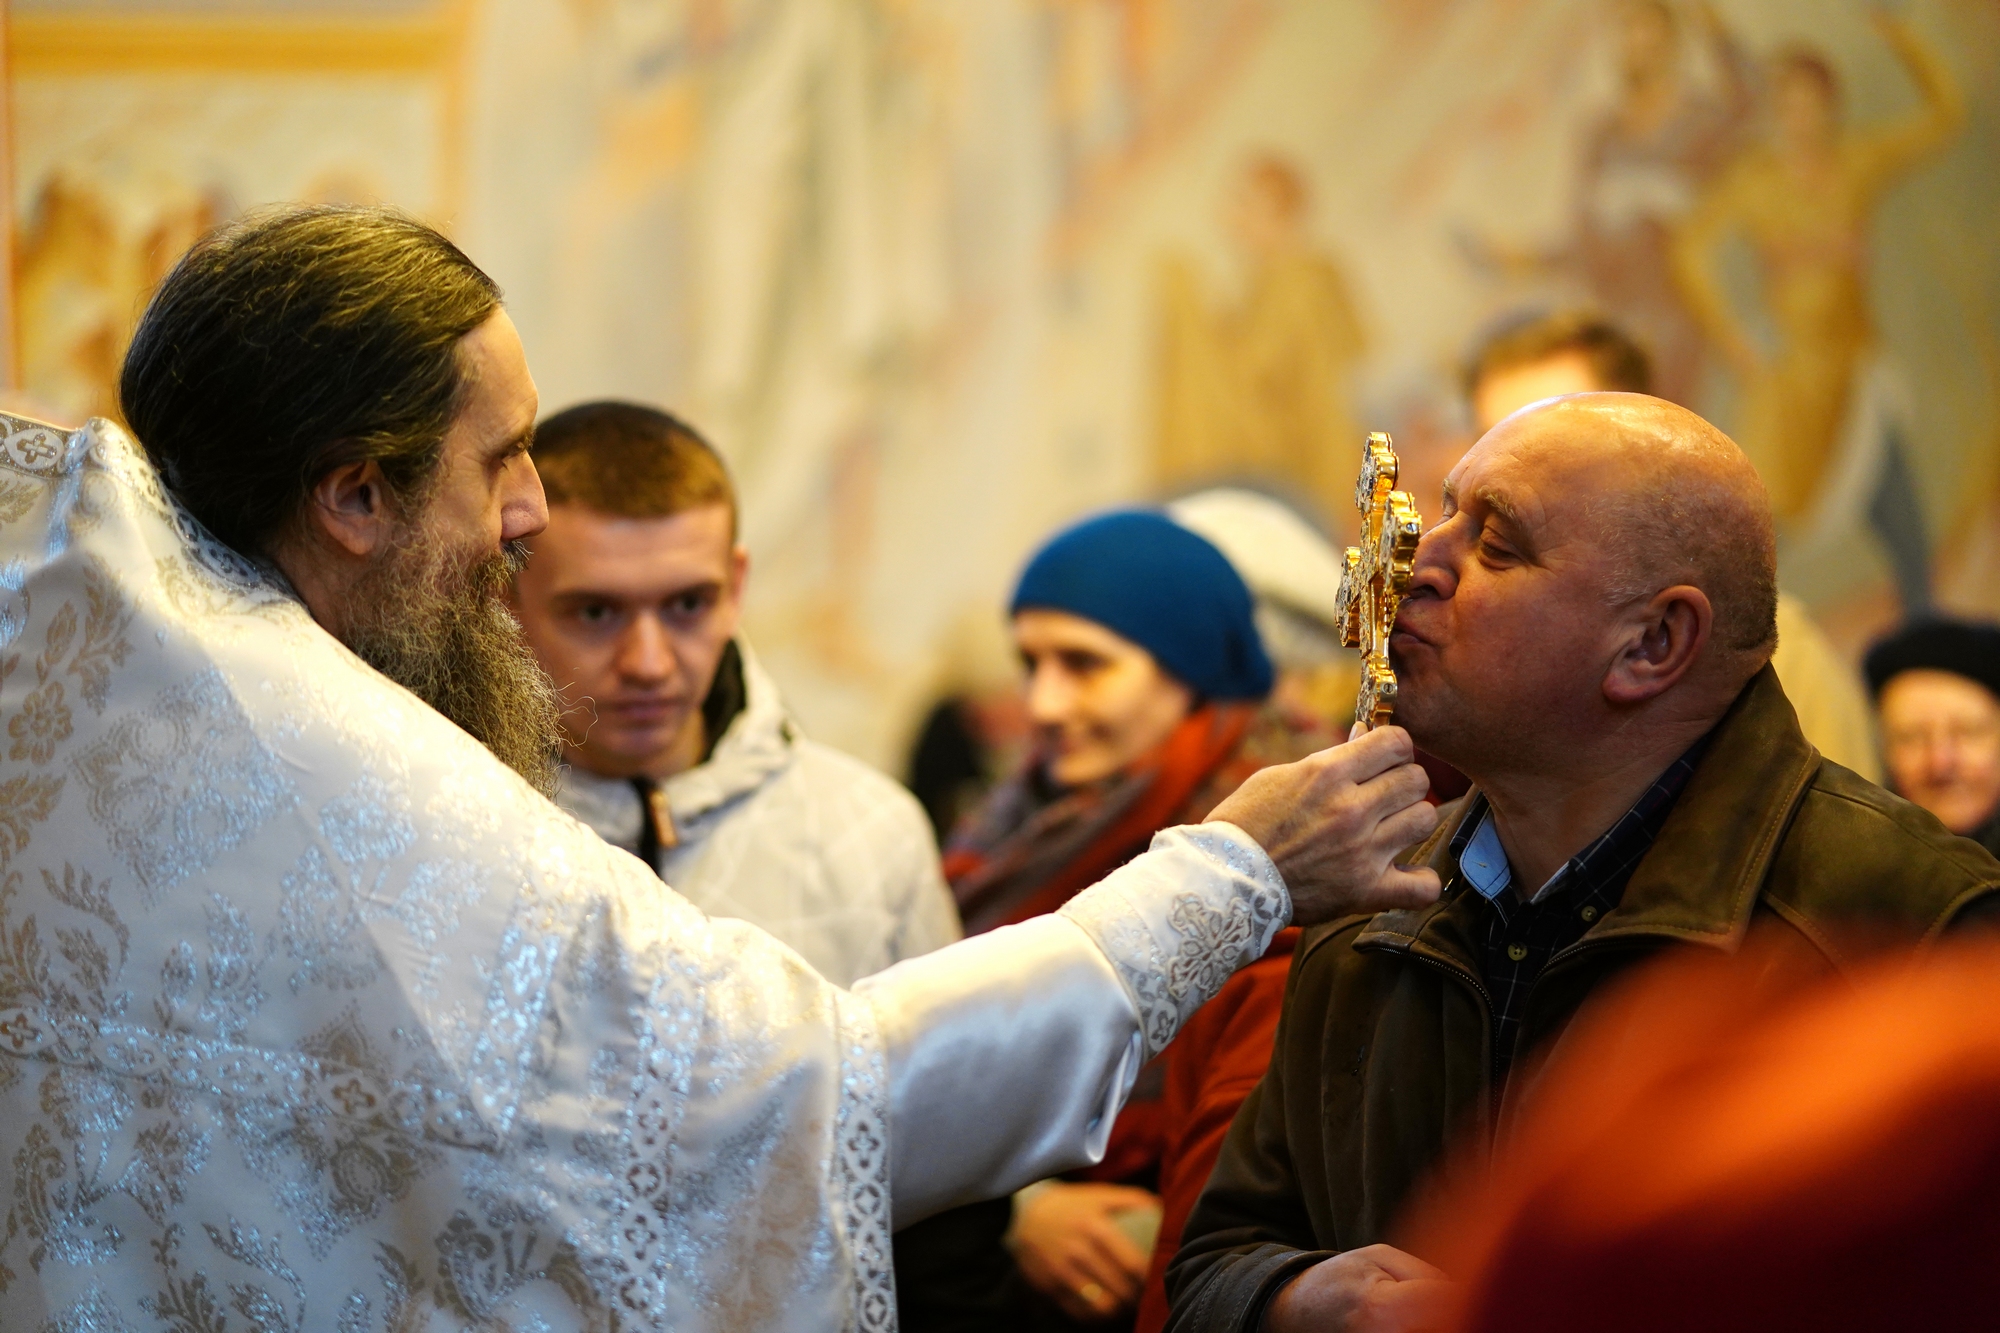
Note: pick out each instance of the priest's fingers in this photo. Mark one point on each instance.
(1392, 790)
(1338, 861)
(1409, 823)
(1402, 890)
(1372, 752)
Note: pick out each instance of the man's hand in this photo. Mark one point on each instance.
(1333, 821)
(1070, 1248)
(1378, 1289)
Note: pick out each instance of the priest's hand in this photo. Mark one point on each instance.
(1376, 1289)
(1334, 821)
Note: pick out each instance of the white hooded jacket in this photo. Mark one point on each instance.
(807, 843)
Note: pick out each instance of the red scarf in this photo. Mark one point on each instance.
(995, 879)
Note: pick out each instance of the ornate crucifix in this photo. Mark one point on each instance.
(1374, 576)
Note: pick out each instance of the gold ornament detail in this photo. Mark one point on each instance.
(1375, 575)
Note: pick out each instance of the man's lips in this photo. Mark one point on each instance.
(1402, 636)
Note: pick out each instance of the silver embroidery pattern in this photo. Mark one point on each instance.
(38, 450)
(312, 1016)
(862, 1155)
(1171, 966)
(93, 1312)
(182, 783)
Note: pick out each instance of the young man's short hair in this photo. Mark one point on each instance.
(1616, 359)
(630, 461)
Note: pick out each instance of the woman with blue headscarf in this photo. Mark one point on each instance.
(1146, 684)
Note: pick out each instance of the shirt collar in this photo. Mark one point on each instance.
(1483, 861)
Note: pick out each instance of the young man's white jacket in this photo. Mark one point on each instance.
(801, 840)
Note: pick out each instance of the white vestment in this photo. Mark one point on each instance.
(313, 1016)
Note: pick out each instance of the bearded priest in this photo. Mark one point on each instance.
(315, 1013)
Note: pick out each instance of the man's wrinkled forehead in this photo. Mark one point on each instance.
(1495, 476)
(1535, 473)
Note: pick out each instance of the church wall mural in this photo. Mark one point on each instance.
(937, 275)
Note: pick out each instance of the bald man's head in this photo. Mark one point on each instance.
(1603, 559)
(1678, 503)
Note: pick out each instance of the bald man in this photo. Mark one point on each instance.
(1588, 638)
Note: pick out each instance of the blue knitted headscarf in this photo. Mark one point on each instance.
(1147, 579)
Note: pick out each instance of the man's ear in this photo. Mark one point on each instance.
(350, 506)
(739, 572)
(1664, 639)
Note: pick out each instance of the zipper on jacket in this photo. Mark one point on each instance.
(1489, 1107)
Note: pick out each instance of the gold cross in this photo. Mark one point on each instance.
(1375, 575)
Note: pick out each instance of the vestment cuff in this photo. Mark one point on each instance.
(1177, 922)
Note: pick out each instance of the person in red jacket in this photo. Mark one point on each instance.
(1207, 1073)
(1148, 686)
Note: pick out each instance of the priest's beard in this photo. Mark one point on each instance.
(440, 628)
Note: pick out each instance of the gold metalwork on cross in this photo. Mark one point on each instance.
(1375, 575)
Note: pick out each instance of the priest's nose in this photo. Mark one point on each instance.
(524, 505)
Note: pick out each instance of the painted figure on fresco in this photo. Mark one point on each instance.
(70, 339)
(1804, 199)
(1643, 167)
(1645, 162)
(81, 280)
(1259, 388)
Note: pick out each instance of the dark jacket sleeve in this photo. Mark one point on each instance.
(1249, 1233)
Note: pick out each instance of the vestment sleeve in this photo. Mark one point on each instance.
(1010, 1053)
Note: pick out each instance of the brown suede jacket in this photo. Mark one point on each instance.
(1383, 1053)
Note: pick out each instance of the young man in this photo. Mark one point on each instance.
(1578, 352)
(1587, 637)
(678, 746)
(1937, 692)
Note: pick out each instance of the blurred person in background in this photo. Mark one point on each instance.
(678, 747)
(1147, 687)
(1293, 573)
(976, 734)
(1732, 1149)
(1576, 351)
(1937, 694)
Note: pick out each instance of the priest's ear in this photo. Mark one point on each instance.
(350, 507)
(1661, 639)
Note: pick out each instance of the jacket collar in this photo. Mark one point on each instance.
(1699, 882)
(757, 745)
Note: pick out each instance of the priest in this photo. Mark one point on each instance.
(315, 1013)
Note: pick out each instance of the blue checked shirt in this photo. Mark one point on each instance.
(1521, 936)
